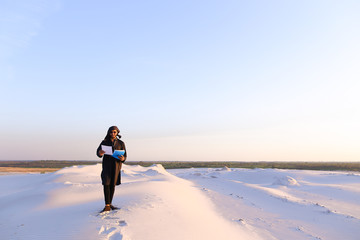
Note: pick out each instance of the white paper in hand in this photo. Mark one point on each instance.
(107, 149)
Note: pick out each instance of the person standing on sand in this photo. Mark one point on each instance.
(111, 166)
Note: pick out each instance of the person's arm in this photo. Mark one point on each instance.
(99, 151)
(123, 158)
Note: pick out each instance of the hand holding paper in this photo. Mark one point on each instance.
(107, 149)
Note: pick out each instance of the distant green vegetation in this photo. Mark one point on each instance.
(327, 166)
(44, 163)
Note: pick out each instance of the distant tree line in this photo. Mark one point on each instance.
(328, 166)
(45, 163)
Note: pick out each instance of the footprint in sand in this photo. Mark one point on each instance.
(112, 226)
(116, 236)
(106, 230)
(109, 217)
(122, 223)
(110, 233)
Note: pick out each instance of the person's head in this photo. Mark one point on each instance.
(113, 132)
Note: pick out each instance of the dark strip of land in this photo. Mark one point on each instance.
(44, 164)
(27, 170)
(328, 166)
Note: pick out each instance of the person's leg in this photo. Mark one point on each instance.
(107, 197)
(112, 191)
(107, 194)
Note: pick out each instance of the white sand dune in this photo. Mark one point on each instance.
(182, 204)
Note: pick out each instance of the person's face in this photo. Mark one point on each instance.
(113, 133)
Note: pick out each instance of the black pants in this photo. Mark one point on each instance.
(109, 193)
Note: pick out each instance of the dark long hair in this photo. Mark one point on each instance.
(107, 137)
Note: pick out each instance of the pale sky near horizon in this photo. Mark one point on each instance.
(183, 80)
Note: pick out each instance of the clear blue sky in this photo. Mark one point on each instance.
(183, 80)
